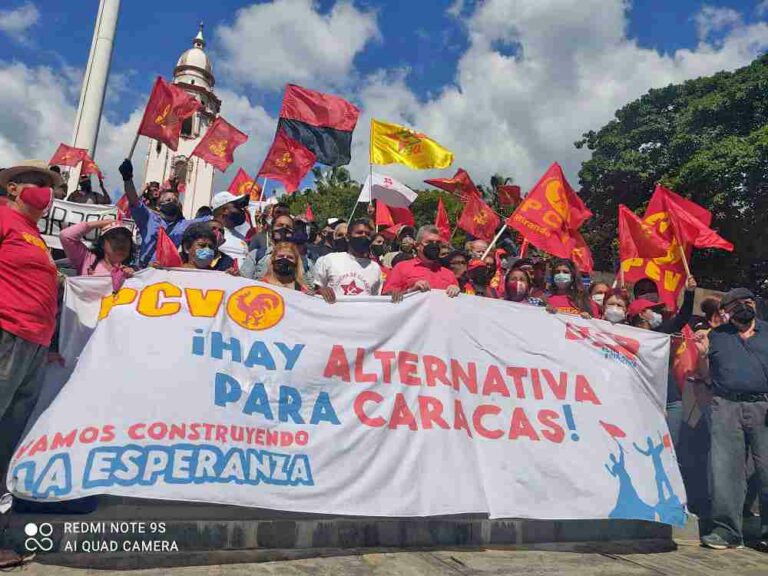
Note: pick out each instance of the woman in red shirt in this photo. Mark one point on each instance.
(568, 294)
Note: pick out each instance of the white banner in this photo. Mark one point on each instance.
(204, 387)
(62, 214)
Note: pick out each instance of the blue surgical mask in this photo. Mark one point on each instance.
(654, 319)
(204, 256)
(562, 279)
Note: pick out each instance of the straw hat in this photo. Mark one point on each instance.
(39, 166)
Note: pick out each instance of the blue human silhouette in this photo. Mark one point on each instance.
(662, 480)
(628, 504)
(669, 508)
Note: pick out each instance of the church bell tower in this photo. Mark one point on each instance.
(194, 74)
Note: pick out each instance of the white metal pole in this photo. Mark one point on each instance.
(86, 130)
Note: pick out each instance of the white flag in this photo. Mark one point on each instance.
(388, 190)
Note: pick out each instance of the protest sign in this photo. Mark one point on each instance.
(63, 213)
(204, 387)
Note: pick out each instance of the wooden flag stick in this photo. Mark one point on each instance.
(496, 239)
(523, 248)
(133, 146)
(685, 261)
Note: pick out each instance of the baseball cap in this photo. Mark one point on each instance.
(640, 305)
(736, 294)
(222, 198)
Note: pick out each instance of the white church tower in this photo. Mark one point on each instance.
(194, 74)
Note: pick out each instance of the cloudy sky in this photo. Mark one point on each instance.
(508, 85)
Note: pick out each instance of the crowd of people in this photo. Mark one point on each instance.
(349, 259)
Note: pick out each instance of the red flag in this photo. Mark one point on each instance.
(638, 239)
(551, 214)
(684, 356)
(690, 223)
(167, 108)
(461, 185)
(89, 167)
(478, 218)
(383, 215)
(441, 221)
(309, 216)
(67, 156)
(166, 253)
(218, 145)
(123, 208)
(509, 195)
(244, 184)
(613, 430)
(668, 271)
(402, 216)
(581, 255)
(287, 161)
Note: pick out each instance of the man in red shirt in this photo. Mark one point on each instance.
(424, 272)
(29, 288)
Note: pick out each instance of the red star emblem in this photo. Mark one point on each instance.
(351, 289)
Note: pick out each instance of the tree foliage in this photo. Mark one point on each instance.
(707, 140)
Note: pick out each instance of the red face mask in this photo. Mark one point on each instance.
(516, 290)
(37, 198)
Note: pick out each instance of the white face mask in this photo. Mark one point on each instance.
(614, 314)
(654, 319)
(598, 299)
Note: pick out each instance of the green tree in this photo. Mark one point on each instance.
(707, 140)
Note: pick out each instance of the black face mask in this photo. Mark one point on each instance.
(170, 209)
(742, 314)
(360, 244)
(379, 250)
(432, 251)
(282, 234)
(235, 220)
(284, 267)
(340, 245)
(479, 276)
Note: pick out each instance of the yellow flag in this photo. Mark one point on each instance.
(392, 143)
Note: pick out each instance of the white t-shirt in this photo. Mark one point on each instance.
(347, 275)
(235, 245)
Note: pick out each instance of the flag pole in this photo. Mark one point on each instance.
(354, 208)
(685, 260)
(496, 239)
(263, 188)
(133, 146)
(523, 248)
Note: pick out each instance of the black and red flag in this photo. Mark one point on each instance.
(320, 122)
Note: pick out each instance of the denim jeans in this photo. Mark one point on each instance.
(734, 426)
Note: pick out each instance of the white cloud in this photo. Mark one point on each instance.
(457, 8)
(712, 19)
(16, 21)
(291, 41)
(574, 68)
(762, 8)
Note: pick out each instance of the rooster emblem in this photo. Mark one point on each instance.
(256, 308)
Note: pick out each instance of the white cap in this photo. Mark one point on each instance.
(222, 198)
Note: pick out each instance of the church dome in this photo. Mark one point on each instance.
(196, 57)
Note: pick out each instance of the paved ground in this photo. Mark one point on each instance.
(614, 560)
